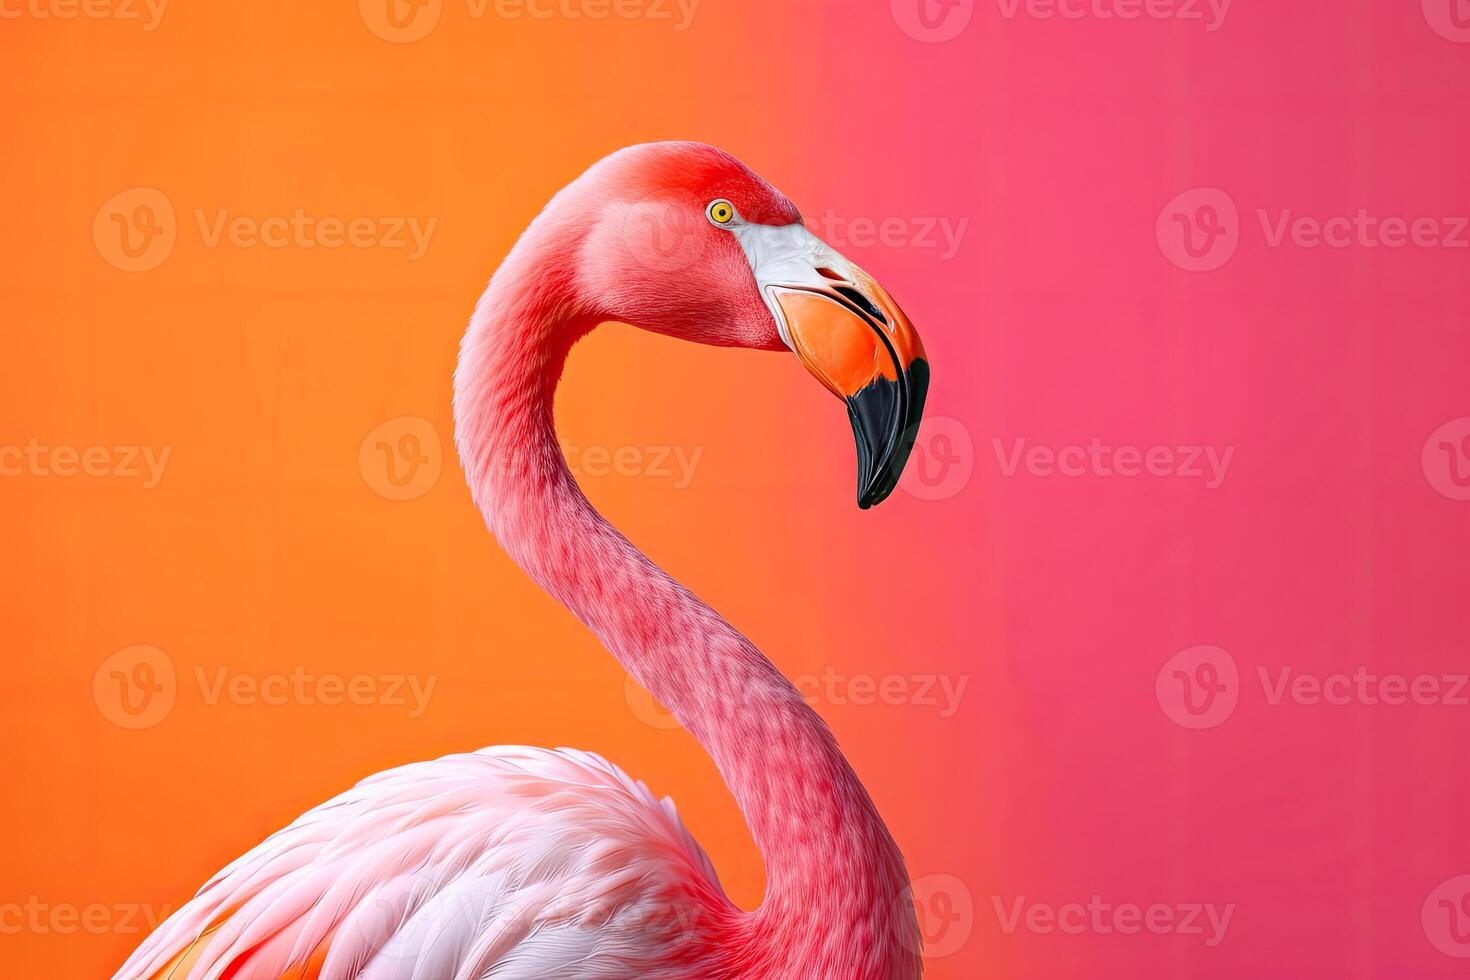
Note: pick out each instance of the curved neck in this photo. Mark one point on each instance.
(831, 867)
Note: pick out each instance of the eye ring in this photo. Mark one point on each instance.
(720, 212)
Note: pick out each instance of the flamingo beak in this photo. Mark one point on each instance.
(851, 335)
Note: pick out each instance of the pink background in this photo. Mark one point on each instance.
(1325, 547)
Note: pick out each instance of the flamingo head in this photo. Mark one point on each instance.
(683, 239)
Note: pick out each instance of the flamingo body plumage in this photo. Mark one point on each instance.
(509, 862)
(515, 862)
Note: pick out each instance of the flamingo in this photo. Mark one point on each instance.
(514, 862)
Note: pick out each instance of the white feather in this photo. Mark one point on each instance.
(502, 864)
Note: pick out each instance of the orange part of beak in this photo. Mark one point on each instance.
(837, 347)
(860, 345)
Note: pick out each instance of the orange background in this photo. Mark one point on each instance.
(264, 548)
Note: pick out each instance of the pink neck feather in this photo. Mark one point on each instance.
(835, 880)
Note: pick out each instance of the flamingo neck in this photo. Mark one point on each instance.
(835, 879)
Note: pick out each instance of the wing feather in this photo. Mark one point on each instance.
(506, 863)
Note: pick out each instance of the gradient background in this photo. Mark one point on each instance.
(1336, 539)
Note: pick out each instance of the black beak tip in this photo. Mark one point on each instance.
(885, 422)
(875, 494)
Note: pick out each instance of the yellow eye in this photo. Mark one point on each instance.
(720, 212)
